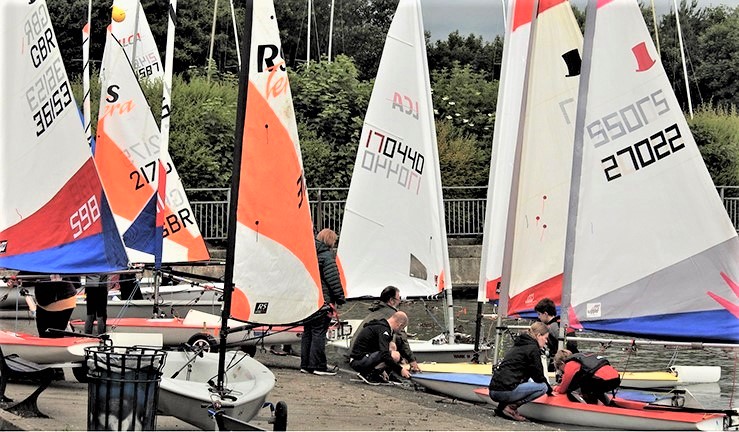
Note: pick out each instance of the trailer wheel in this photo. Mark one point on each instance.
(251, 350)
(80, 373)
(204, 342)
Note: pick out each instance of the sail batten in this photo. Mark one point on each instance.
(650, 244)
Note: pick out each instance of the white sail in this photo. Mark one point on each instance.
(650, 249)
(541, 187)
(275, 268)
(127, 153)
(131, 28)
(393, 231)
(507, 115)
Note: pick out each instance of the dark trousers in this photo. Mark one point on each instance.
(595, 389)
(313, 343)
(55, 320)
(97, 305)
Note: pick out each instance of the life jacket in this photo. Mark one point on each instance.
(589, 365)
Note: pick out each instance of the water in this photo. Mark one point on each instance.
(427, 320)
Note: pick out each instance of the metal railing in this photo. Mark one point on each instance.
(464, 207)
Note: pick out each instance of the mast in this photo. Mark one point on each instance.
(447, 280)
(682, 58)
(86, 74)
(212, 38)
(577, 156)
(236, 34)
(228, 285)
(307, 50)
(135, 32)
(331, 30)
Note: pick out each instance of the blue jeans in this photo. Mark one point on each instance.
(524, 393)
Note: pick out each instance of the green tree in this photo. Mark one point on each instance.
(716, 131)
(461, 160)
(330, 102)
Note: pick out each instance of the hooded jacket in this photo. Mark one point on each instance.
(521, 363)
(333, 292)
(375, 336)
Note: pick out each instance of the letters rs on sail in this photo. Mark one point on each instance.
(392, 158)
(269, 58)
(50, 92)
(646, 145)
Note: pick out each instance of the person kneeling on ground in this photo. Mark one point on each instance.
(373, 354)
(590, 373)
(519, 378)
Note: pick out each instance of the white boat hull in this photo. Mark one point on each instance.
(426, 350)
(184, 396)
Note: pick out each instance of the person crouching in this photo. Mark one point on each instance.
(373, 354)
(593, 375)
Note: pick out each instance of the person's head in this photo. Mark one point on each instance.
(560, 357)
(545, 309)
(327, 236)
(398, 321)
(540, 332)
(390, 296)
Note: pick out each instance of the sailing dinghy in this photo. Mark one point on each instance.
(394, 229)
(61, 223)
(131, 28)
(638, 177)
(271, 273)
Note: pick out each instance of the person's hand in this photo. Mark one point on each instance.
(404, 373)
(414, 367)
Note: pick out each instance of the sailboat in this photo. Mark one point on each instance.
(534, 252)
(638, 177)
(60, 222)
(271, 275)
(394, 230)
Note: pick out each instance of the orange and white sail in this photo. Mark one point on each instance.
(275, 268)
(127, 153)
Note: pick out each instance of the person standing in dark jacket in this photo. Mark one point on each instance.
(313, 342)
(520, 378)
(371, 355)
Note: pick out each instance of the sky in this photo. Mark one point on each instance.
(485, 17)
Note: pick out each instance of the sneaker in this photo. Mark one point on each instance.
(305, 371)
(324, 372)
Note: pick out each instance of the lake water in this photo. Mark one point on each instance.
(427, 320)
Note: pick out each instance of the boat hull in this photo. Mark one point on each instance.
(636, 380)
(45, 350)
(425, 351)
(629, 415)
(185, 395)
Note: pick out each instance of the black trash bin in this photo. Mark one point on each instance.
(123, 390)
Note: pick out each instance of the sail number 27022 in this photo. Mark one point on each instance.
(643, 153)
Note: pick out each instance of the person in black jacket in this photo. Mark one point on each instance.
(547, 312)
(385, 308)
(520, 378)
(313, 342)
(372, 356)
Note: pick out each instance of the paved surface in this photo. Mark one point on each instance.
(314, 403)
